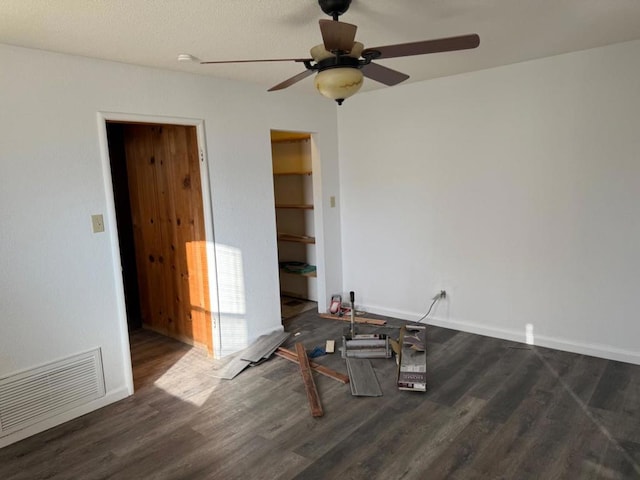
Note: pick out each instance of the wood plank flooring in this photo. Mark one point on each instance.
(493, 409)
(292, 307)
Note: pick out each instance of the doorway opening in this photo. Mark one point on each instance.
(292, 159)
(160, 216)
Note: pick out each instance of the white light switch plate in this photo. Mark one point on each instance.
(97, 223)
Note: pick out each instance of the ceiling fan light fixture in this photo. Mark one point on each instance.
(341, 63)
(339, 83)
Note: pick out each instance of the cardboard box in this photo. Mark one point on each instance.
(412, 363)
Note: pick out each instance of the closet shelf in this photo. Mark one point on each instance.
(298, 268)
(300, 206)
(291, 237)
(298, 172)
(309, 274)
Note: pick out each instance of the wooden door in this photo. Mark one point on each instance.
(168, 223)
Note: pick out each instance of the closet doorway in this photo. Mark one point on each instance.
(291, 154)
(155, 170)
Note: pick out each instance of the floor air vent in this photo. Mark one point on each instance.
(34, 395)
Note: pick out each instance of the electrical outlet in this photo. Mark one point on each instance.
(439, 295)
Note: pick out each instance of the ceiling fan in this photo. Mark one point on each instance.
(341, 62)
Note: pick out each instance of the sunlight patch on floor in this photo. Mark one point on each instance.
(182, 382)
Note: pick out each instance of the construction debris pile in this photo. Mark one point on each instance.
(357, 349)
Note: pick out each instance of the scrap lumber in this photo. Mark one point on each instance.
(370, 321)
(330, 346)
(231, 369)
(264, 346)
(309, 384)
(260, 350)
(321, 369)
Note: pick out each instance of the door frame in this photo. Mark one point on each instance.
(207, 208)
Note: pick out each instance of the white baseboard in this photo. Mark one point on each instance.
(595, 350)
(110, 397)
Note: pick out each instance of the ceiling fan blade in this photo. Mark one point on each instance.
(261, 60)
(337, 35)
(383, 74)
(448, 44)
(290, 81)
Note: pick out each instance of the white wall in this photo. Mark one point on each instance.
(58, 288)
(515, 189)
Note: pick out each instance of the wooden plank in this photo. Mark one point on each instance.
(364, 382)
(184, 218)
(370, 321)
(291, 237)
(264, 345)
(163, 201)
(296, 206)
(142, 168)
(321, 369)
(297, 172)
(309, 384)
(231, 369)
(184, 242)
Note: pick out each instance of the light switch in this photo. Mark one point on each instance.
(97, 223)
(332, 202)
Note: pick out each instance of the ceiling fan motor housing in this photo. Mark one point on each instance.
(340, 63)
(334, 8)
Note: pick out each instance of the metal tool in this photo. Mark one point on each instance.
(369, 345)
(352, 298)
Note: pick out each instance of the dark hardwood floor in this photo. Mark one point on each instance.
(494, 409)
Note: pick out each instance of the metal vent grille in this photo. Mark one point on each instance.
(34, 395)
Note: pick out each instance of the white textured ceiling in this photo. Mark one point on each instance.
(154, 32)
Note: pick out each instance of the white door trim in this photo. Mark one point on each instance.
(103, 118)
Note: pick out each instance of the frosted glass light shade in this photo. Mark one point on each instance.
(339, 83)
